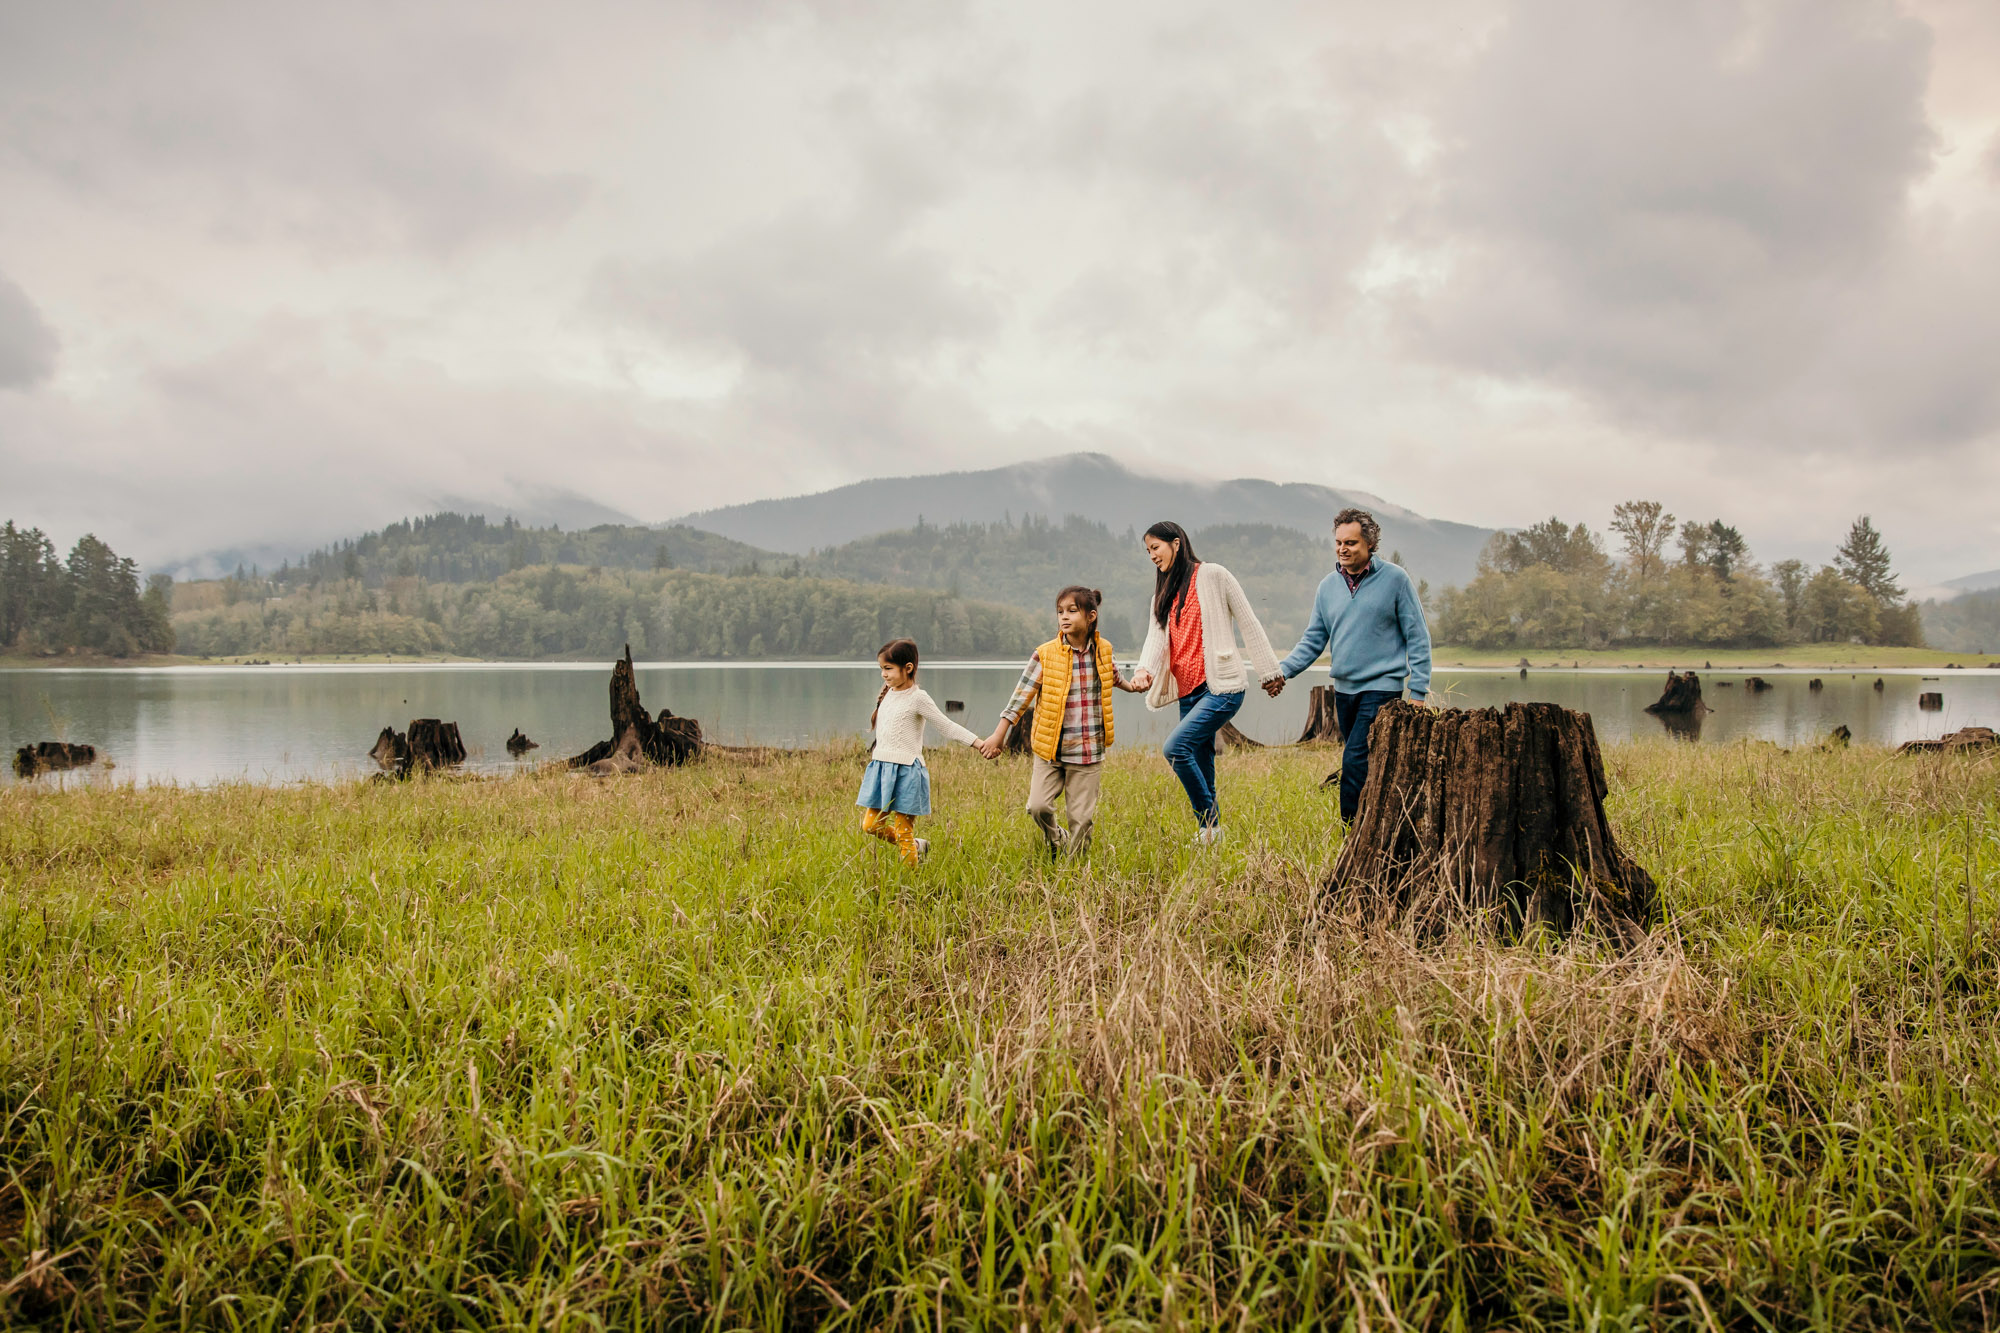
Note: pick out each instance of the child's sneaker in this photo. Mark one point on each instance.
(1208, 836)
(923, 849)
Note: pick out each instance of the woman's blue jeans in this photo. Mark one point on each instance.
(1190, 749)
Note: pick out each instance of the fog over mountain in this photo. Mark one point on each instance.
(275, 273)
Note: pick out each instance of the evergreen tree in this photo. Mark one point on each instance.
(1726, 549)
(1864, 561)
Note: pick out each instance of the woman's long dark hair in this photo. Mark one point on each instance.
(896, 652)
(1170, 585)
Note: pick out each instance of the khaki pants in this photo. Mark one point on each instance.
(1077, 784)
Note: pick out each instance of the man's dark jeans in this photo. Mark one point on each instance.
(1355, 713)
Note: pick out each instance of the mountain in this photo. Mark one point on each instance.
(1094, 487)
(1976, 582)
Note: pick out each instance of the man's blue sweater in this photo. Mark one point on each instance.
(1377, 632)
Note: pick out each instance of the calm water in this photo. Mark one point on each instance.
(202, 724)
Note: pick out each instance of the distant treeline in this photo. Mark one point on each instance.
(1554, 586)
(565, 612)
(89, 603)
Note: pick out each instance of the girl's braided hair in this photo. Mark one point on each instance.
(896, 652)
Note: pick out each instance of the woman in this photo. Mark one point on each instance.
(1190, 656)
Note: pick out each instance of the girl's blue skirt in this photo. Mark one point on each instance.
(904, 788)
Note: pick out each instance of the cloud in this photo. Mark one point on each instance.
(27, 344)
(349, 128)
(1674, 210)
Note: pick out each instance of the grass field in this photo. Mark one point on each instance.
(686, 1050)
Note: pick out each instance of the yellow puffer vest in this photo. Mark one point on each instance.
(1055, 656)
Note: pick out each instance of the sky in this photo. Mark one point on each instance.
(273, 273)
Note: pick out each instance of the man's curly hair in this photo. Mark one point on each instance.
(1371, 531)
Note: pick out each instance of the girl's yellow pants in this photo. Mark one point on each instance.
(893, 826)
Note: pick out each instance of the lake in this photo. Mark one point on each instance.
(277, 723)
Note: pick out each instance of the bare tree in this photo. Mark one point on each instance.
(1644, 526)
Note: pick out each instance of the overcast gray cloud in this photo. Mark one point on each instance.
(317, 267)
(27, 343)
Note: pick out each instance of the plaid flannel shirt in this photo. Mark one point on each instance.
(1083, 711)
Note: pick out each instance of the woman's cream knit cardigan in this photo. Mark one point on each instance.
(1224, 610)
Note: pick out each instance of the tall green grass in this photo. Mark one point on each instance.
(687, 1050)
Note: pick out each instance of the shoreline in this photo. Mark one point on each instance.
(1829, 657)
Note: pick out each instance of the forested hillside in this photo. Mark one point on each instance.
(462, 548)
(1019, 564)
(566, 612)
(1969, 623)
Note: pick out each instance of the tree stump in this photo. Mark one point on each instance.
(1815, 684)
(665, 740)
(1878, 684)
(1930, 702)
(1965, 738)
(1229, 738)
(517, 744)
(428, 744)
(1495, 814)
(1322, 722)
(1682, 695)
(1757, 684)
(52, 757)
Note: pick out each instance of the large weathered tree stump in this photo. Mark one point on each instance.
(663, 740)
(52, 757)
(429, 744)
(1322, 722)
(1491, 814)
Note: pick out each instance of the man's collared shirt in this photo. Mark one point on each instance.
(1354, 580)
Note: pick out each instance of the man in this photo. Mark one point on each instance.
(1368, 617)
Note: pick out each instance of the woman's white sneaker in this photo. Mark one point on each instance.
(1208, 836)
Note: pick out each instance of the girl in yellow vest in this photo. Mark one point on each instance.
(1068, 684)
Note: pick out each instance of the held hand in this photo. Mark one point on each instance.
(1142, 680)
(988, 748)
(1275, 686)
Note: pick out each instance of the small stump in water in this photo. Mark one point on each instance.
(52, 757)
(1930, 703)
(428, 744)
(1494, 814)
(637, 737)
(517, 744)
(1757, 684)
(1682, 695)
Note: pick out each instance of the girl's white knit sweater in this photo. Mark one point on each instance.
(899, 726)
